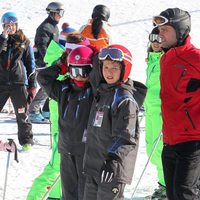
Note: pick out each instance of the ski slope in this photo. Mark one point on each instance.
(131, 24)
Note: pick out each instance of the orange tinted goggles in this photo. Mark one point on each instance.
(160, 20)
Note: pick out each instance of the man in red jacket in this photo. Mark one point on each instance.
(180, 102)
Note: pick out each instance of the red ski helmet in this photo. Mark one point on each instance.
(123, 56)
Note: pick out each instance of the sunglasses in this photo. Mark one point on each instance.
(60, 13)
(82, 71)
(10, 20)
(115, 54)
(154, 38)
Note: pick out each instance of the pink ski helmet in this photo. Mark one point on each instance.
(80, 56)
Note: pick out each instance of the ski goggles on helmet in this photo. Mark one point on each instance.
(160, 20)
(154, 38)
(10, 20)
(82, 71)
(114, 54)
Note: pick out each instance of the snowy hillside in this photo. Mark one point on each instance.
(131, 24)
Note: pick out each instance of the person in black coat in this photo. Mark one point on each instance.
(47, 31)
(17, 75)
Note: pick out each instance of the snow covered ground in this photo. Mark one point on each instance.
(31, 164)
(131, 24)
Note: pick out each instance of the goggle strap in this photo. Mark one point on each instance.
(71, 45)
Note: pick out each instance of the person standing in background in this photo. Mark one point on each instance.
(180, 97)
(66, 30)
(152, 105)
(97, 29)
(17, 75)
(47, 31)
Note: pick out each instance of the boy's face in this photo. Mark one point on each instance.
(111, 71)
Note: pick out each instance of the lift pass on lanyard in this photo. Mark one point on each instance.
(98, 119)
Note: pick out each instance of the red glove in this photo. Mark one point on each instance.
(63, 68)
(31, 94)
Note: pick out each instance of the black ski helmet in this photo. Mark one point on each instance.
(101, 11)
(180, 20)
(155, 30)
(54, 7)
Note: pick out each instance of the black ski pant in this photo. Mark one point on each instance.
(181, 166)
(38, 102)
(18, 95)
(94, 190)
(72, 177)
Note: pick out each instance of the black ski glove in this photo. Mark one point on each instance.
(108, 170)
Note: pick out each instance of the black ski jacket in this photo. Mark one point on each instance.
(113, 129)
(73, 106)
(47, 31)
(17, 63)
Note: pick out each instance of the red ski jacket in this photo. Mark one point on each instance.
(180, 93)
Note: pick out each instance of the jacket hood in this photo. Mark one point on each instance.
(139, 93)
(137, 89)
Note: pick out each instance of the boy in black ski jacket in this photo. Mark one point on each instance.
(112, 133)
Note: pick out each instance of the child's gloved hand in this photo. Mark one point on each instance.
(63, 68)
(31, 94)
(108, 171)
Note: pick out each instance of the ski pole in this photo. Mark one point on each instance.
(46, 195)
(6, 175)
(150, 156)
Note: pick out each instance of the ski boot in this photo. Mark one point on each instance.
(37, 118)
(26, 147)
(46, 115)
(159, 194)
